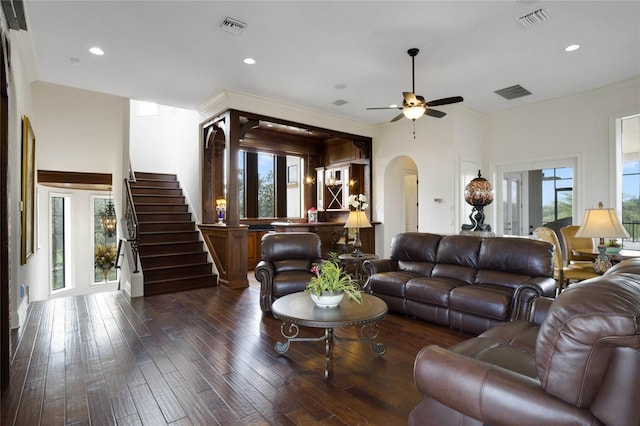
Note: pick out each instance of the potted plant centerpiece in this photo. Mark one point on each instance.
(330, 283)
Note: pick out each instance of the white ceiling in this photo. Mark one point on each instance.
(174, 53)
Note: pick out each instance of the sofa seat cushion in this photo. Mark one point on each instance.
(391, 283)
(501, 355)
(431, 290)
(290, 282)
(490, 301)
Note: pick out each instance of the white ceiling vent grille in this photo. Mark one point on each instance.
(535, 17)
(232, 26)
(340, 102)
(513, 92)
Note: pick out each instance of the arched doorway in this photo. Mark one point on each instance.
(401, 207)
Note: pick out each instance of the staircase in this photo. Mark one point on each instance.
(172, 256)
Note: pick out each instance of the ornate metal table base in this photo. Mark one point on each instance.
(368, 333)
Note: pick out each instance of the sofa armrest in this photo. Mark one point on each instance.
(264, 274)
(539, 309)
(375, 266)
(489, 393)
(523, 298)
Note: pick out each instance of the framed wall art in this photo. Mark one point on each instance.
(27, 204)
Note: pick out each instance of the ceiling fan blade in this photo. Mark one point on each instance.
(435, 113)
(397, 117)
(410, 98)
(445, 101)
(384, 108)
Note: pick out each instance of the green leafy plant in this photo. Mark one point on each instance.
(613, 243)
(105, 257)
(330, 277)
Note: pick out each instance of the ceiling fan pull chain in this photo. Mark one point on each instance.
(414, 130)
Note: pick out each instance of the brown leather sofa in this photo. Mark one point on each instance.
(470, 283)
(285, 265)
(576, 362)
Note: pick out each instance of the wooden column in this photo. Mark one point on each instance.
(228, 247)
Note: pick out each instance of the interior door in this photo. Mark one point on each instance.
(411, 201)
(512, 203)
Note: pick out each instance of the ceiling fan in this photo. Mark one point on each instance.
(414, 106)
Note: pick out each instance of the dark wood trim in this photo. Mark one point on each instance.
(228, 248)
(281, 186)
(82, 178)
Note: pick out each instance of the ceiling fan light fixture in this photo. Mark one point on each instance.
(413, 112)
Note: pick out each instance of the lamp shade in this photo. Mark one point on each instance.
(357, 219)
(413, 112)
(601, 223)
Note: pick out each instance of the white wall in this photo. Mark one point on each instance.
(76, 131)
(437, 149)
(169, 143)
(573, 126)
(21, 74)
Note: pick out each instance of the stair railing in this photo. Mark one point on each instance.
(131, 220)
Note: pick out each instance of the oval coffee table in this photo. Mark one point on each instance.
(297, 309)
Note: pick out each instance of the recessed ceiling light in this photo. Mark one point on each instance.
(393, 106)
(96, 51)
(249, 61)
(572, 47)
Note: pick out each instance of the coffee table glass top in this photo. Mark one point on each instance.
(298, 308)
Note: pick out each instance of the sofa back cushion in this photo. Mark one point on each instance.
(580, 333)
(286, 246)
(415, 247)
(522, 256)
(457, 257)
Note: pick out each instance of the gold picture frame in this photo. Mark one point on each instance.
(27, 204)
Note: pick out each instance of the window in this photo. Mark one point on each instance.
(104, 246)
(266, 185)
(557, 194)
(629, 135)
(269, 185)
(60, 240)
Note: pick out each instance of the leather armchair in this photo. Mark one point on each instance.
(575, 362)
(285, 265)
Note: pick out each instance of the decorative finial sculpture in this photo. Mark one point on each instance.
(478, 193)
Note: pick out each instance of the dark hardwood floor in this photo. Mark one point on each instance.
(202, 357)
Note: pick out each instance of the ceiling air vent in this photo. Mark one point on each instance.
(533, 18)
(232, 26)
(513, 92)
(340, 102)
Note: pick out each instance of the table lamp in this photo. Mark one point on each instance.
(601, 223)
(221, 208)
(357, 219)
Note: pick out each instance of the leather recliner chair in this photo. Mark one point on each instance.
(285, 265)
(575, 362)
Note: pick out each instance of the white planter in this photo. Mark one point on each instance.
(327, 299)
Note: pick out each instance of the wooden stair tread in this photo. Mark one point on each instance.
(179, 253)
(183, 265)
(186, 278)
(173, 259)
